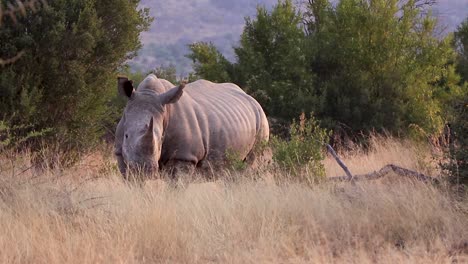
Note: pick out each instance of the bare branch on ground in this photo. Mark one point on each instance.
(385, 171)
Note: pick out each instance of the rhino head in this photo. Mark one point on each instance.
(144, 120)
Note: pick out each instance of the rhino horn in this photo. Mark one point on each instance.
(147, 141)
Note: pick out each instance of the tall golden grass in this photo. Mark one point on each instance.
(386, 150)
(87, 214)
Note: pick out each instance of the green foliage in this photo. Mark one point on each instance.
(209, 63)
(304, 149)
(461, 45)
(168, 73)
(272, 63)
(458, 166)
(379, 65)
(10, 138)
(234, 160)
(458, 153)
(365, 65)
(66, 79)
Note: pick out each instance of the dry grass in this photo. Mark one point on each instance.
(62, 218)
(384, 151)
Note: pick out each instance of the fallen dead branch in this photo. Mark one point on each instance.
(385, 171)
(349, 176)
(376, 174)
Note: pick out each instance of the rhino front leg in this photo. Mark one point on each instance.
(180, 170)
(121, 164)
(119, 135)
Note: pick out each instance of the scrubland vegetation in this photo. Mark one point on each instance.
(359, 67)
(380, 84)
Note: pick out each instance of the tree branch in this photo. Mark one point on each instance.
(349, 176)
(386, 170)
(4, 62)
(11, 11)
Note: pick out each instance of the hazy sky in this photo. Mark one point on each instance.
(451, 12)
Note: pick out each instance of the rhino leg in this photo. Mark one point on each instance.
(180, 169)
(260, 156)
(119, 134)
(122, 165)
(258, 160)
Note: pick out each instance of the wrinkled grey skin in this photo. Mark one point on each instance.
(188, 126)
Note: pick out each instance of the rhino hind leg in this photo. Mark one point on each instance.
(259, 157)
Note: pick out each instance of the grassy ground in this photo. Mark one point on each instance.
(87, 214)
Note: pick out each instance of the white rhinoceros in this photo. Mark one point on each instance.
(191, 125)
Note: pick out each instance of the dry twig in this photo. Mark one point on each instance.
(4, 62)
(13, 11)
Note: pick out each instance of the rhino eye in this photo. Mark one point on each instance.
(126, 135)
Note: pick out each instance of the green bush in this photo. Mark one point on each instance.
(367, 66)
(64, 82)
(458, 166)
(458, 152)
(168, 73)
(10, 136)
(302, 154)
(234, 161)
(208, 63)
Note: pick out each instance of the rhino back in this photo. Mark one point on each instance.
(212, 119)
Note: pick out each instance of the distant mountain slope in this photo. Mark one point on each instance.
(181, 22)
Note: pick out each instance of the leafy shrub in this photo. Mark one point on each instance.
(458, 152)
(303, 152)
(458, 166)
(168, 73)
(63, 83)
(365, 65)
(234, 160)
(208, 63)
(13, 136)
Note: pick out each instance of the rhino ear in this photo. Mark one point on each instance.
(125, 86)
(173, 95)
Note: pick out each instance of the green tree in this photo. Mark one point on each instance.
(209, 63)
(73, 51)
(461, 45)
(168, 73)
(458, 154)
(364, 65)
(272, 61)
(458, 166)
(379, 65)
